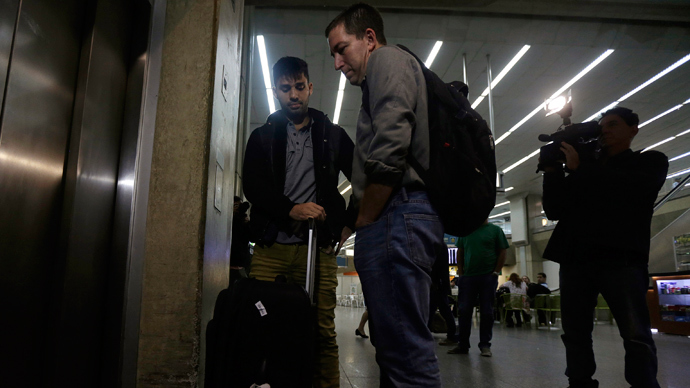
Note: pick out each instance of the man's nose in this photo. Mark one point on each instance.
(292, 94)
(338, 61)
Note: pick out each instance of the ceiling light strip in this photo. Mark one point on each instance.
(502, 74)
(500, 214)
(432, 55)
(561, 90)
(339, 99)
(267, 74)
(679, 157)
(656, 77)
(675, 108)
(659, 143)
(523, 160)
(345, 190)
(675, 174)
(642, 86)
(501, 204)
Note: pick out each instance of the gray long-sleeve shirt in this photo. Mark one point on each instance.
(398, 123)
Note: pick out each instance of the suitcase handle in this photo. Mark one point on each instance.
(312, 254)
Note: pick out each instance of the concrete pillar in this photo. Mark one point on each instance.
(190, 199)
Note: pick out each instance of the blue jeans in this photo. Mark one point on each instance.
(471, 287)
(624, 288)
(393, 257)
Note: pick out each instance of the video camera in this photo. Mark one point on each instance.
(584, 137)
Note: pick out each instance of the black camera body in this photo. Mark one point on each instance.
(584, 137)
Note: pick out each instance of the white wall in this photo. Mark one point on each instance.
(551, 270)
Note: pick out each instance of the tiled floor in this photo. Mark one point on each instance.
(522, 357)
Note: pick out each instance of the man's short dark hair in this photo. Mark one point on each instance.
(356, 19)
(291, 68)
(626, 114)
(238, 199)
(542, 275)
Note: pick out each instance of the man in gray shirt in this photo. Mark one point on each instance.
(399, 234)
(291, 170)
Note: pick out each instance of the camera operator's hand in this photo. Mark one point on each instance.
(304, 211)
(572, 158)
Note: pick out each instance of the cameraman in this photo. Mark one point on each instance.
(604, 207)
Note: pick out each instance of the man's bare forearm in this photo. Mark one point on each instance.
(373, 200)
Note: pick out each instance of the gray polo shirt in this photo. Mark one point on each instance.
(300, 179)
(398, 123)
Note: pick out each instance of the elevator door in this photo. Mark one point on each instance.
(67, 71)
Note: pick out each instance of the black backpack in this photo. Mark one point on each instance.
(461, 179)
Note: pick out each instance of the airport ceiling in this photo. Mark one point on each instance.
(561, 47)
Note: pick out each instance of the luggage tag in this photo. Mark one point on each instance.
(262, 311)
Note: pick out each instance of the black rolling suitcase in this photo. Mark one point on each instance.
(263, 332)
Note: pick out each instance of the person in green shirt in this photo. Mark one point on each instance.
(481, 256)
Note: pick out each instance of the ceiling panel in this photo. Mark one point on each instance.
(560, 49)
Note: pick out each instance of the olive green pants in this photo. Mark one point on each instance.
(291, 261)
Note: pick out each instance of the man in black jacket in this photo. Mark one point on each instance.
(291, 170)
(604, 207)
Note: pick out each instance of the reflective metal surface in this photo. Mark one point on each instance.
(75, 156)
(8, 22)
(140, 196)
(90, 184)
(37, 114)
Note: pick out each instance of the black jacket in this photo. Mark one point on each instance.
(264, 179)
(604, 209)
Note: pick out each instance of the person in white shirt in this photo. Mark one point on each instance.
(516, 286)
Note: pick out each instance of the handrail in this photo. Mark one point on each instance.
(671, 193)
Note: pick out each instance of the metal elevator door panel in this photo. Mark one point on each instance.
(75, 77)
(8, 22)
(34, 131)
(90, 182)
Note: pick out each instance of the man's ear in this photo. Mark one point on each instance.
(370, 36)
(635, 130)
(311, 88)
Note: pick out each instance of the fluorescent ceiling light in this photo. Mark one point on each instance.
(267, 73)
(339, 99)
(656, 77)
(683, 133)
(500, 75)
(523, 160)
(508, 189)
(502, 203)
(679, 157)
(642, 86)
(669, 139)
(561, 90)
(659, 143)
(675, 108)
(675, 174)
(500, 214)
(345, 190)
(432, 55)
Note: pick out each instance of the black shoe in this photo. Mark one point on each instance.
(510, 325)
(359, 333)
